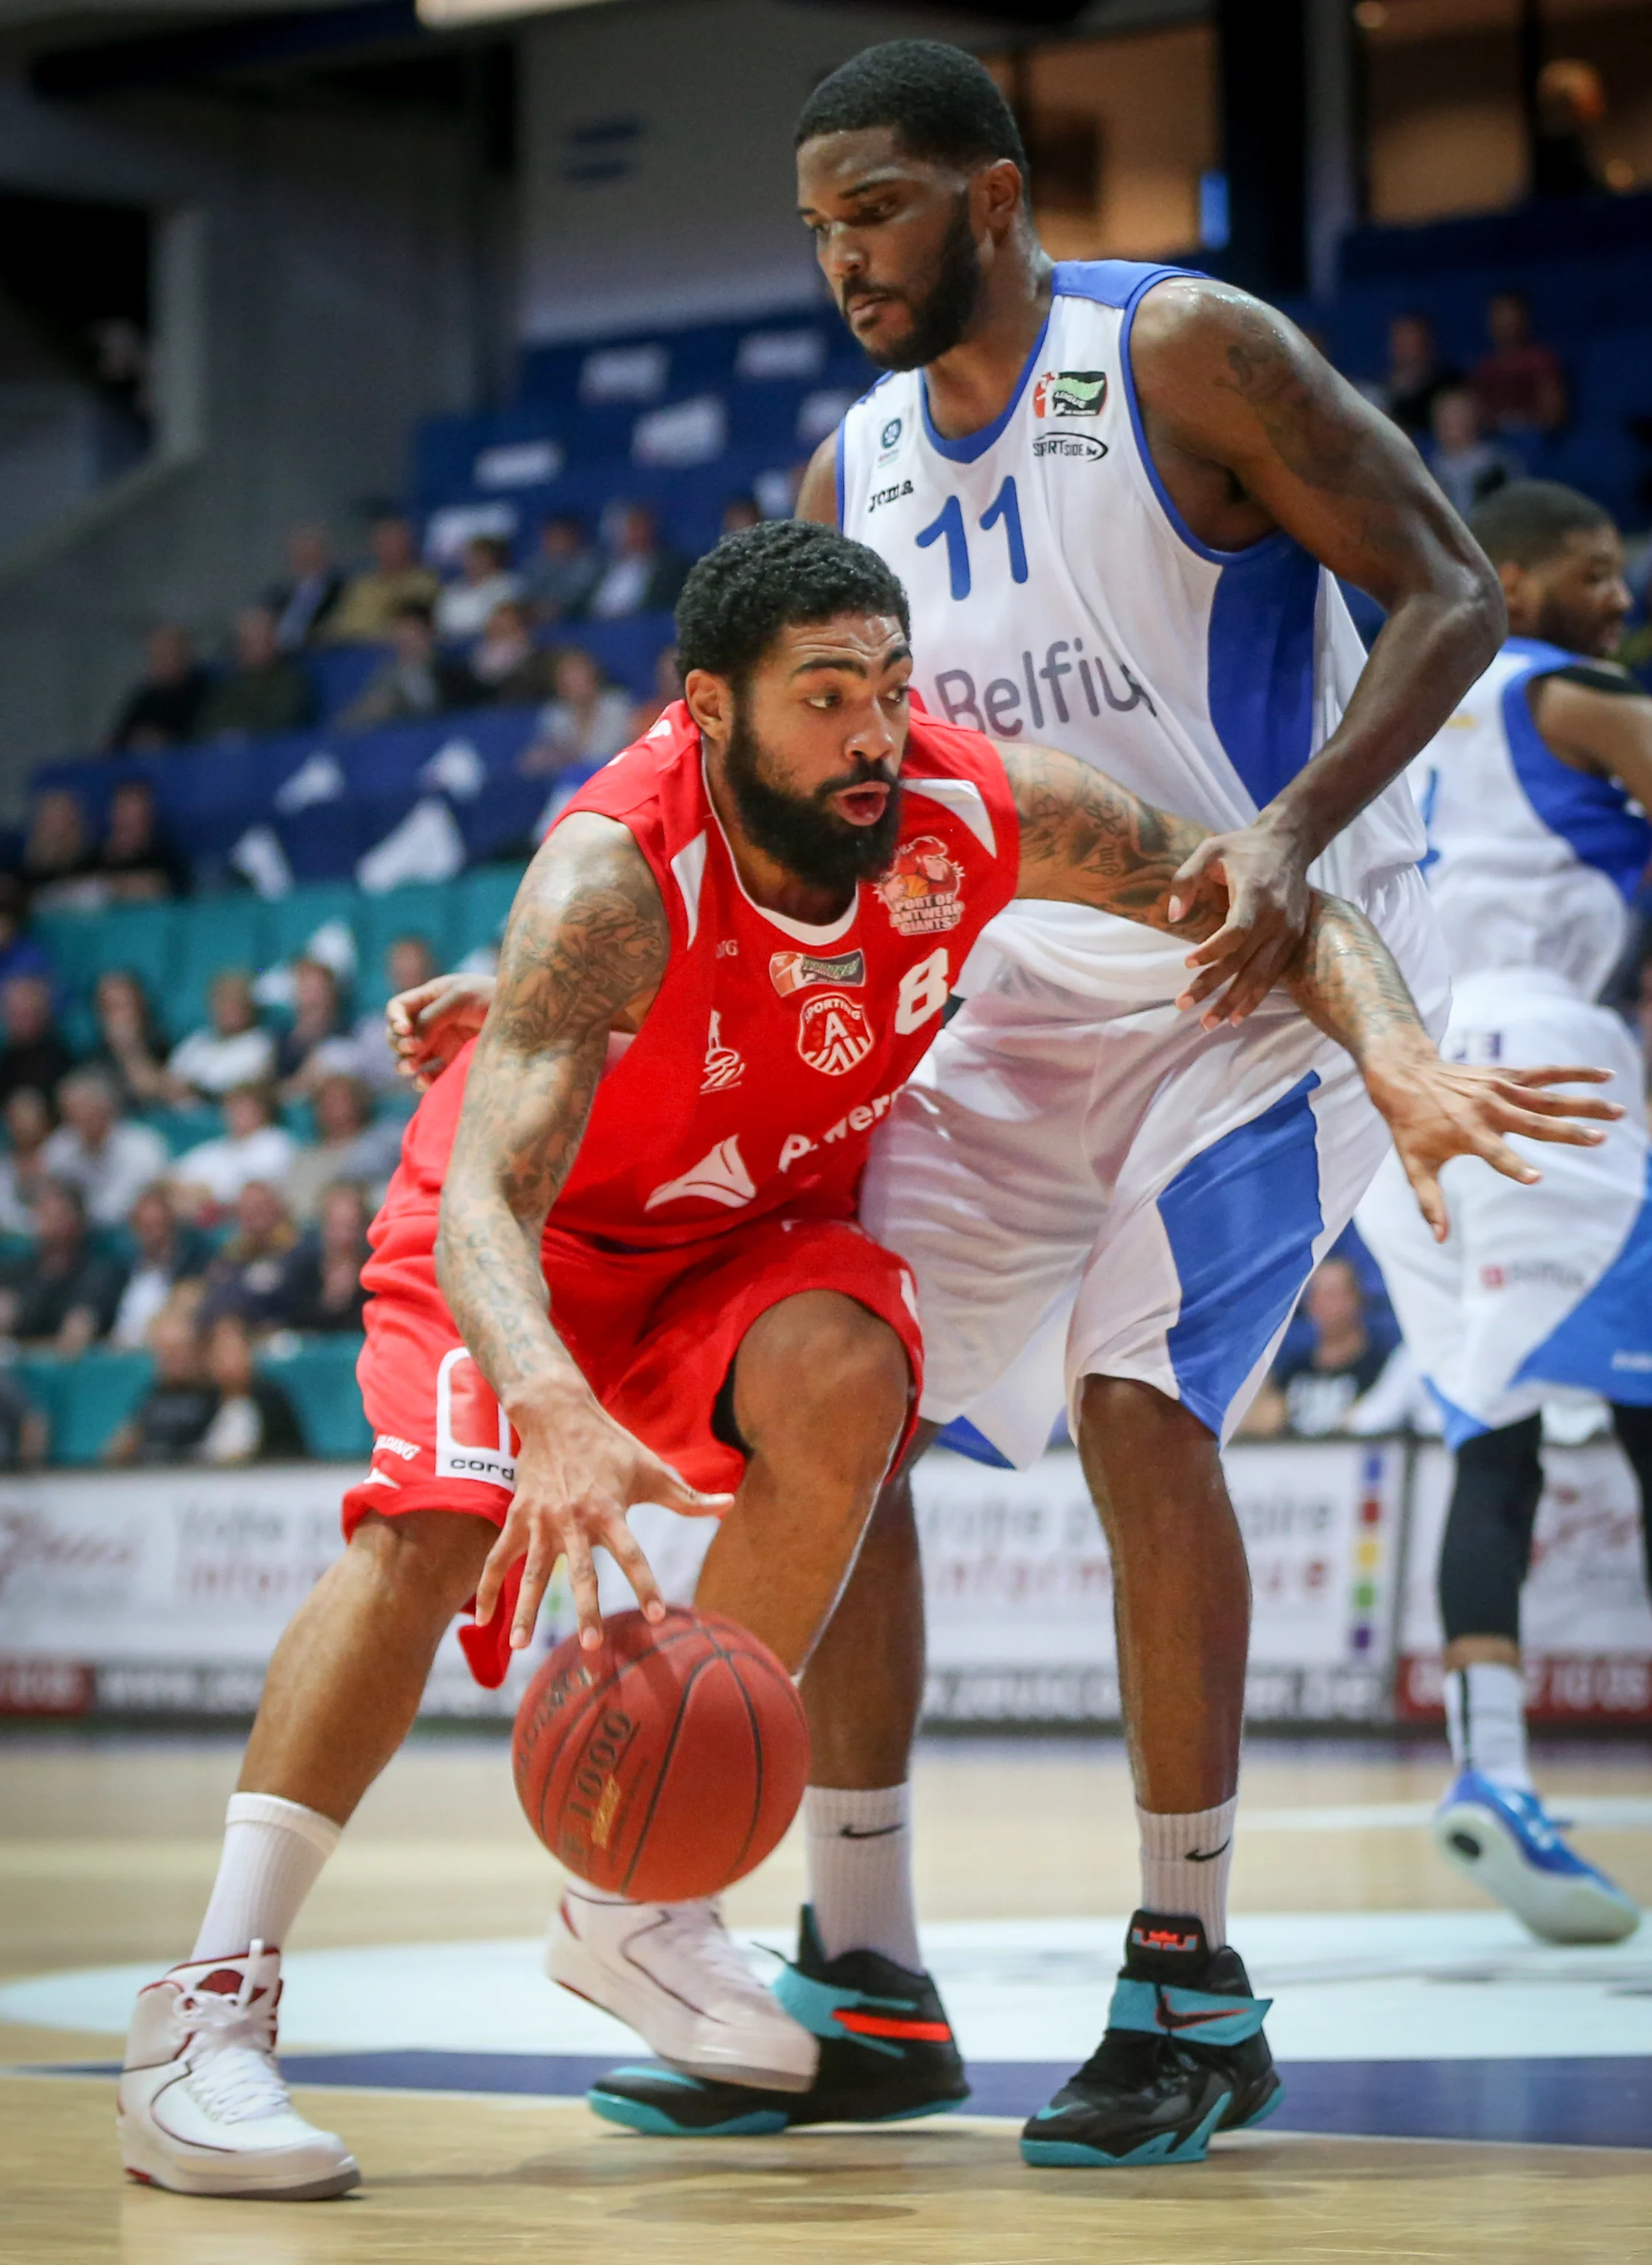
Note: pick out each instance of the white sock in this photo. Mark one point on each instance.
(1485, 1720)
(1185, 1862)
(860, 1872)
(273, 1851)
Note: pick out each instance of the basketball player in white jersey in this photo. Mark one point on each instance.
(1117, 496)
(1535, 844)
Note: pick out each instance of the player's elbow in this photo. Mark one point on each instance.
(1479, 604)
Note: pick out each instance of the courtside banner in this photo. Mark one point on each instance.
(165, 1592)
(1585, 1624)
(1020, 1592)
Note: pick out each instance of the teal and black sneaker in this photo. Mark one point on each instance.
(1183, 2056)
(887, 2053)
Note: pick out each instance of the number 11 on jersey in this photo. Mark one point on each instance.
(948, 525)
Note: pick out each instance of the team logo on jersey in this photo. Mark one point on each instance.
(1083, 445)
(719, 1177)
(798, 970)
(923, 889)
(724, 1068)
(896, 492)
(473, 1432)
(889, 438)
(1070, 393)
(833, 1033)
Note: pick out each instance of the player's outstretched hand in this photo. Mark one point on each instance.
(1439, 1109)
(1258, 878)
(428, 1024)
(578, 1473)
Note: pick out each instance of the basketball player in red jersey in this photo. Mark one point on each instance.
(620, 1263)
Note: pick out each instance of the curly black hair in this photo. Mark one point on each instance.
(942, 104)
(1528, 521)
(763, 579)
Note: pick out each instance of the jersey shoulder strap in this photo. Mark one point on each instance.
(964, 772)
(1112, 283)
(656, 787)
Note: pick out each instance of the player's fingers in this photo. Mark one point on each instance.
(672, 1493)
(1558, 1131)
(500, 1558)
(1559, 1074)
(1501, 1158)
(1537, 1102)
(542, 1563)
(628, 1554)
(582, 1581)
(1254, 979)
(1193, 876)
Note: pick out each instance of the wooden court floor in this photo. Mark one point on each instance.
(106, 1850)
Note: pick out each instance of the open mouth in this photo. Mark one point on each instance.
(861, 805)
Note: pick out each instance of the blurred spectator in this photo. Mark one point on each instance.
(231, 1050)
(1311, 1394)
(317, 1024)
(311, 592)
(139, 865)
(408, 963)
(587, 721)
(667, 688)
(165, 1253)
(485, 581)
(64, 1292)
(164, 707)
(508, 665)
(171, 1418)
(28, 1127)
(265, 690)
(642, 576)
(251, 1146)
(24, 1433)
(366, 612)
(324, 1288)
(1467, 466)
(109, 1159)
(414, 679)
(1571, 99)
(58, 857)
(1520, 385)
(1416, 373)
(558, 586)
(249, 1275)
(253, 1421)
(131, 1048)
(20, 954)
(350, 1145)
(33, 1053)
(740, 513)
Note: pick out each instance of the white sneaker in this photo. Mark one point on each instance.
(671, 1972)
(202, 2108)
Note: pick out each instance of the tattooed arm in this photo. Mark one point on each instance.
(1087, 840)
(584, 952)
(1252, 431)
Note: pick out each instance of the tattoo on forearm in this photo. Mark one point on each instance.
(587, 937)
(1085, 839)
(1345, 981)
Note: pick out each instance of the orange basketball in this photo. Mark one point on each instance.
(668, 1763)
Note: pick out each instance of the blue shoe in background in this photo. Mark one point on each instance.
(1509, 1844)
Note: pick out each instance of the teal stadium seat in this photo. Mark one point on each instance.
(294, 920)
(427, 908)
(141, 937)
(484, 898)
(218, 933)
(319, 1378)
(85, 1400)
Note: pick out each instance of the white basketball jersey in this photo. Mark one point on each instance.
(1531, 863)
(1057, 596)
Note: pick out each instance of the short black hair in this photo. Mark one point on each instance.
(763, 579)
(1529, 521)
(944, 104)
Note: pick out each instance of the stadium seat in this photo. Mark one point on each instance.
(84, 1401)
(426, 910)
(318, 1376)
(482, 902)
(220, 933)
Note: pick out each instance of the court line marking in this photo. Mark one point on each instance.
(1386, 1816)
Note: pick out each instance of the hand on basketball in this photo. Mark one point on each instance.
(428, 1024)
(1438, 1110)
(1258, 878)
(578, 1473)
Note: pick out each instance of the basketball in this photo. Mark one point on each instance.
(667, 1764)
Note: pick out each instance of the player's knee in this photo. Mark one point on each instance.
(846, 1381)
(426, 1560)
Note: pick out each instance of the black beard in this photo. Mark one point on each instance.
(941, 317)
(813, 842)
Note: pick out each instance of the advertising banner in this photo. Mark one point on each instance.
(1585, 1624)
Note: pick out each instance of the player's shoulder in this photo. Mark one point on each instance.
(659, 773)
(1117, 283)
(961, 771)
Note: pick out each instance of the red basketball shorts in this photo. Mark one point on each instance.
(654, 1332)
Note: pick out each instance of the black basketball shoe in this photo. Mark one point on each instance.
(1183, 2056)
(886, 2053)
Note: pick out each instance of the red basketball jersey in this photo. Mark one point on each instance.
(773, 1049)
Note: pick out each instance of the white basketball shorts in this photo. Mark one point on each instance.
(1086, 1189)
(1541, 1290)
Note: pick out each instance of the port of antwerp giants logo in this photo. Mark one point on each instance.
(923, 889)
(833, 1033)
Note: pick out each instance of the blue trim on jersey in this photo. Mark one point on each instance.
(1605, 1344)
(964, 1439)
(970, 446)
(1259, 656)
(1241, 1220)
(1459, 1424)
(1110, 283)
(1591, 815)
